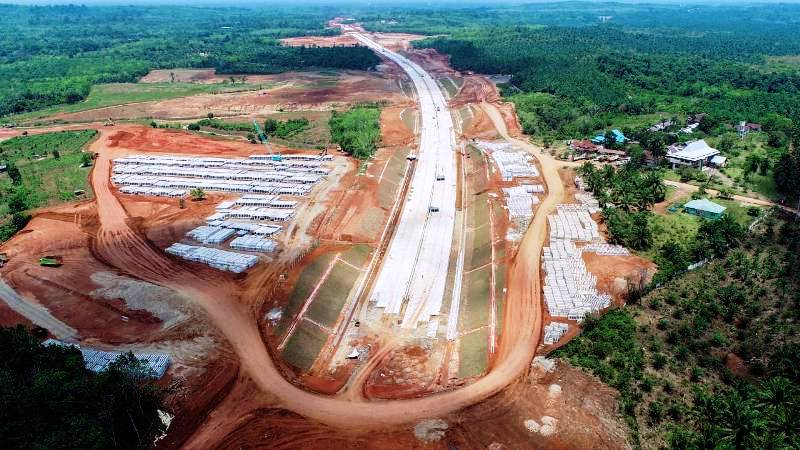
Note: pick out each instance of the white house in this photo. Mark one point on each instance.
(696, 154)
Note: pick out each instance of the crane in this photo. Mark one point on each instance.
(265, 140)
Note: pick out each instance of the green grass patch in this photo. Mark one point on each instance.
(678, 227)
(392, 177)
(409, 118)
(332, 295)
(357, 255)
(450, 85)
(103, 95)
(304, 346)
(50, 173)
(477, 302)
(499, 295)
(481, 246)
(302, 289)
(473, 353)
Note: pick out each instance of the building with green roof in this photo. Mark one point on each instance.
(704, 208)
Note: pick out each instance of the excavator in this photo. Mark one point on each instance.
(264, 139)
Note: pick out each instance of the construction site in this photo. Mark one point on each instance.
(298, 293)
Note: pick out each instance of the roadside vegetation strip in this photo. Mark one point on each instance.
(303, 347)
(306, 301)
(476, 310)
(473, 351)
(327, 301)
(457, 297)
(492, 285)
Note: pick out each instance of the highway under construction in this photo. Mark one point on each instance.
(411, 280)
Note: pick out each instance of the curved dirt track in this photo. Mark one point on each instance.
(120, 246)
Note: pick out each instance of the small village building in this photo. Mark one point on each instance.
(583, 146)
(704, 208)
(719, 161)
(696, 154)
(662, 125)
(743, 128)
(619, 137)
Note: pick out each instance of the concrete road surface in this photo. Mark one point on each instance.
(37, 314)
(412, 277)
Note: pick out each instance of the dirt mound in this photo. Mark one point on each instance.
(406, 372)
(614, 272)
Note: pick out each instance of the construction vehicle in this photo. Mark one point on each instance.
(265, 140)
(51, 261)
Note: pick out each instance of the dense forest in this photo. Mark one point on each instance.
(50, 400)
(582, 68)
(54, 54)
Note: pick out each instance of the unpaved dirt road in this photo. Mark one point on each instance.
(120, 246)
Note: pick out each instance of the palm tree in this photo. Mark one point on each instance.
(197, 194)
(742, 425)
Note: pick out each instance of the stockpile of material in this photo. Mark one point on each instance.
(573, 222)
(520, 202)
(606, 249)
(553, 332)
(253, 243)
(153, 191)
(98, 360)
(533, 188)
(211, 235)
(511, 162)
(218, 259)
(589, 201)
(569, 289)
(247, 227)
(255, 213)
(294, 175)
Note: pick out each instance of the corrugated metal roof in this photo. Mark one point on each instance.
(704, 204)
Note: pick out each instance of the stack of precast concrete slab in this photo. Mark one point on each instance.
(99, 360)
(261, 179)
(218, 259)
(511, 162)
(553, 332)
(520, 202)
(569, 289)
(172, 176)
(573, 222)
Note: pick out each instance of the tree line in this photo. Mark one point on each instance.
(54, 55)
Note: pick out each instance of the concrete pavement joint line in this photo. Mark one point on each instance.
(413, 276)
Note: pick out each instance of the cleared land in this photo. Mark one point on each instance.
(104, 95)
